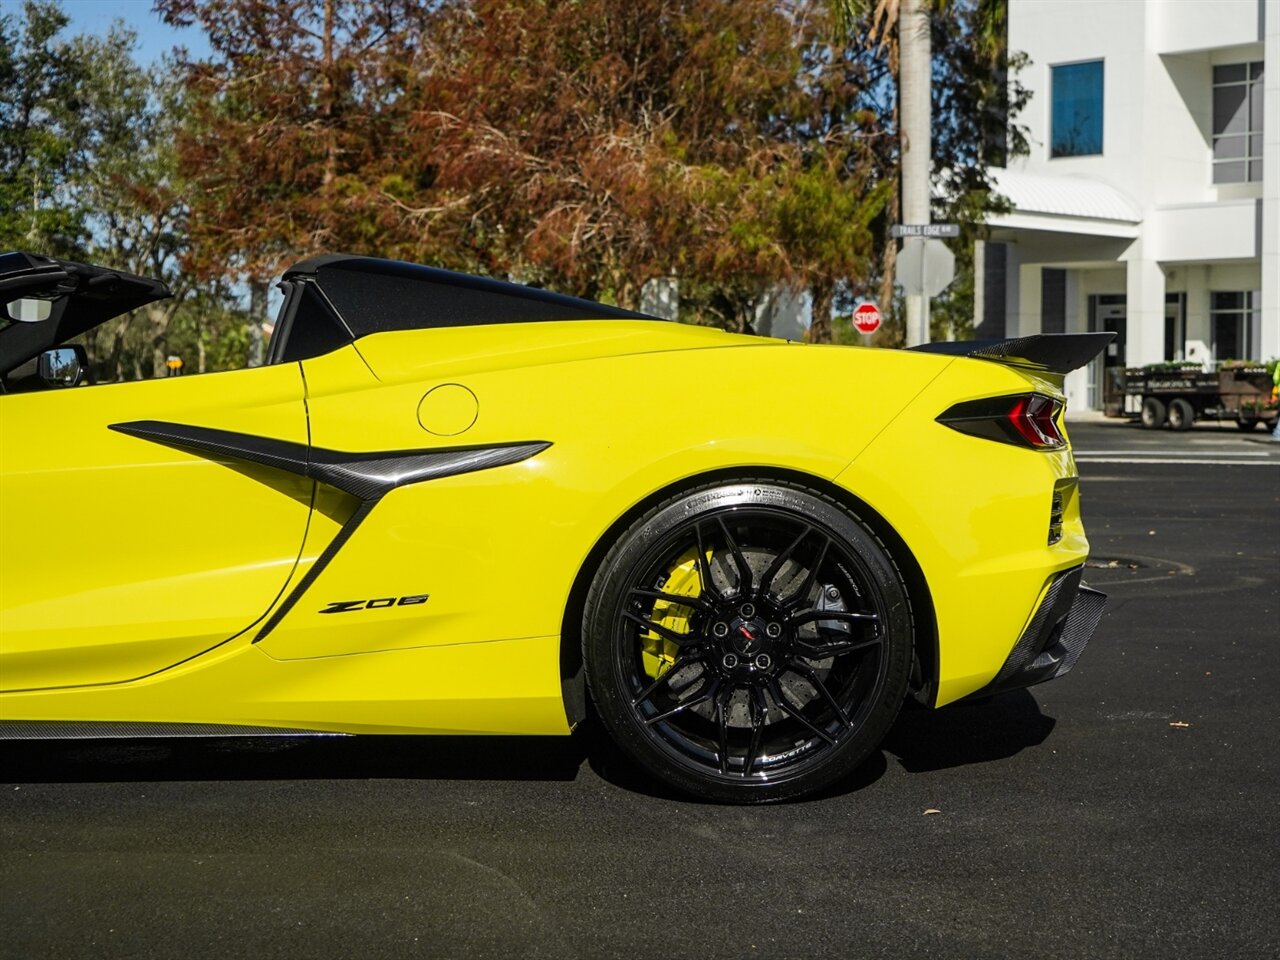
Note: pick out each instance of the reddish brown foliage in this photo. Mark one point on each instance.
(586, 145)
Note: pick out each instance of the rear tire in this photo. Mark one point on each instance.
(1153, 413)
(786, 665)
(1181, 415)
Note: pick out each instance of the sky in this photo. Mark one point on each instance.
(95, 16)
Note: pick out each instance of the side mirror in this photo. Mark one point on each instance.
(63, 366)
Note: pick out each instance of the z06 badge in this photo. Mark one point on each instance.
(347, 606)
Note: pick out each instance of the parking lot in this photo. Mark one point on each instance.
(1127, 810)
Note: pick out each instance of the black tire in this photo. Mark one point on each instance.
(744, 694)
(1153, 413)
(1247, 424)
(1181, 415)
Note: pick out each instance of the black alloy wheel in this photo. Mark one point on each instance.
(748, 642)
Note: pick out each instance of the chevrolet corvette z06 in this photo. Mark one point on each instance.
(457, 505)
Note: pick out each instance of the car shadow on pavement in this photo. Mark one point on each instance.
(922, 740)
(291, 758)
(979, 732)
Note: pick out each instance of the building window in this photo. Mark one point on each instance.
(1237, 122)
(1234, 326)
(1076, 103)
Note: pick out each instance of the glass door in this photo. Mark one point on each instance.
(1107, 312)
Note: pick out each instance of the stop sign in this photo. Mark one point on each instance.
(866, 318)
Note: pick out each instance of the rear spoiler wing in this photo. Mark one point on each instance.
(1046, 352)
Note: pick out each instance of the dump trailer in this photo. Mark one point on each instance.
(1179, 395)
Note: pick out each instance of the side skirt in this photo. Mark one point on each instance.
(109, 730)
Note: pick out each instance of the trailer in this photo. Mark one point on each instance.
(1180, 394)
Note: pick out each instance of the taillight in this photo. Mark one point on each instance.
(1026, 420)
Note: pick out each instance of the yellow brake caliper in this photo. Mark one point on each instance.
(659, 654)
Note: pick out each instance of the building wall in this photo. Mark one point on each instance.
(1057, 32)
(1194, 236)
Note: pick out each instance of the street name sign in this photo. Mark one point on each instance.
(925, 229)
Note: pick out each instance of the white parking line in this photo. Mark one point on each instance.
(1178, 453)
(1232, 463)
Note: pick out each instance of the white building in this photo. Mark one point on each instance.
(1150, 203)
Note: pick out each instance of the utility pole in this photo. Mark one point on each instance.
(915, 53)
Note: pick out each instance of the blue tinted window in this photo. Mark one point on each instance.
(1077, 110)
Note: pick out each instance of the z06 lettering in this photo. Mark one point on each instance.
(346, 606)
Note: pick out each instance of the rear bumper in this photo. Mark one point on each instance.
(1056, 636)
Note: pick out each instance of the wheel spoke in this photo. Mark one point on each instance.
(662, 680)
(759, 718)
(703, 697)
(679, 639)
(766, 580)
(722, 723)
(795, 714)
(704, 568)
(739, 559)
(835, 648)
(802, 594)
(807, 672)
(677, 599)
(842, 616)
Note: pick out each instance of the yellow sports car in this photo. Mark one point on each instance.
(456, 505)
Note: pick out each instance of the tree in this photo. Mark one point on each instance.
(90, 173)
(296, 120)
(651, 138)
(974, 106)
(41, 134)
(586, 146)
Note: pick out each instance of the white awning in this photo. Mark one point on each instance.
(1066, 204)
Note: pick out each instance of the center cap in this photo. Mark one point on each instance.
(748, 638)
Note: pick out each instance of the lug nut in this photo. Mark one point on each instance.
(773, 631)
(720, 629)
(764, 662)
(730, 661)
(748, 611)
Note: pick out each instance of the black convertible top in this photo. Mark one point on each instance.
(373, 295)
(337, 298)
(332, 300)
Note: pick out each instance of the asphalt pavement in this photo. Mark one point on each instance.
(1127, 810)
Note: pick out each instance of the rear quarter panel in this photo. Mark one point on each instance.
(498, 550)
(975, 515)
